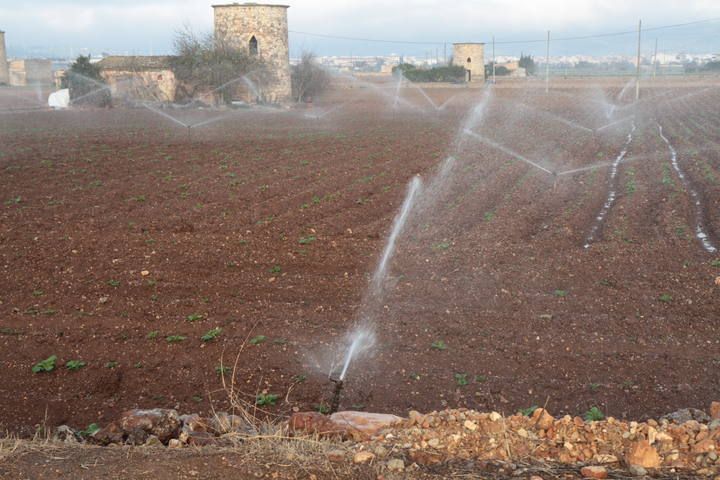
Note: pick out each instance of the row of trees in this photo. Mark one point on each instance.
(450, 73)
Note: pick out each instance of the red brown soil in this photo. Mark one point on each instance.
(93, 198)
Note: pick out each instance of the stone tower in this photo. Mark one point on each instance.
(470, 56)
(262, 30)
(4, 71)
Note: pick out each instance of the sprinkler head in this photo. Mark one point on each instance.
(335, 403)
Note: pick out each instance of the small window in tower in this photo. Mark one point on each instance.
(253, 46)
(469, 60)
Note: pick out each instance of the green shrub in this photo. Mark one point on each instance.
(452, 73)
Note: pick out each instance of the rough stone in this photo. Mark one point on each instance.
(470, 425)
(715, 410)
(542, 419)
(163, 423)
(175, 443)
(223, 423)
(605, 458)
(637, 471)
(685, 415)
(314, 423)
(65, 434)
(362, 425)
(194, 423)
(336, 456)
(137, 436)
(153, 441)
(111, 433)
(396, 465)
(642, 454)
(201, 439)
(363, 456)
(594, 472)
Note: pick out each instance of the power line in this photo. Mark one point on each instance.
(373, 40)
(510, 42)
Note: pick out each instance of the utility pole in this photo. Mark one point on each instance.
(655, 59)
(547, 65)
(493, 59)
(637, 80)
(445, 53)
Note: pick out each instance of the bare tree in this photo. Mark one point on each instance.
(309, 79)
(203, 64)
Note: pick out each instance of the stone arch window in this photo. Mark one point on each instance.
(253, 44)
(469, 60)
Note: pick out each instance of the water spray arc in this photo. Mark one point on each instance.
(700, 230)
(612, 193)
(362, 337)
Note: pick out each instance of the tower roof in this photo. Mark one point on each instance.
(249, 4)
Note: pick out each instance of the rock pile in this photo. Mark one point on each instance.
(166, 427)
(469, 435)
(684, 440)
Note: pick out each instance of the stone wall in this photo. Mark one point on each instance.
(4, 72)
(148, 85)
(475, 53)
(237, 24)
(31, 72)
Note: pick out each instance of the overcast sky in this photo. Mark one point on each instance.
(65, 27)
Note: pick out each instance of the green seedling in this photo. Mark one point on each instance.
(222, 370)
(211, 334)
(322, 408)
(114, 283)
(47, 365)
(438, 345)
(175, 338)
(307, 240)
(152, 335)
(461, 379)
(258, 340)
(528, 411)
(112, 364)
(91, 430)
(74, 365)
(441, 246)
(560, 293)
(594, 415)
(276, 269)
(665, 298)
(266, 399)
(194, 317)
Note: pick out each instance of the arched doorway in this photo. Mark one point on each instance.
(253, 46)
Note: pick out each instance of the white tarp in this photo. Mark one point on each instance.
(59, 99)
